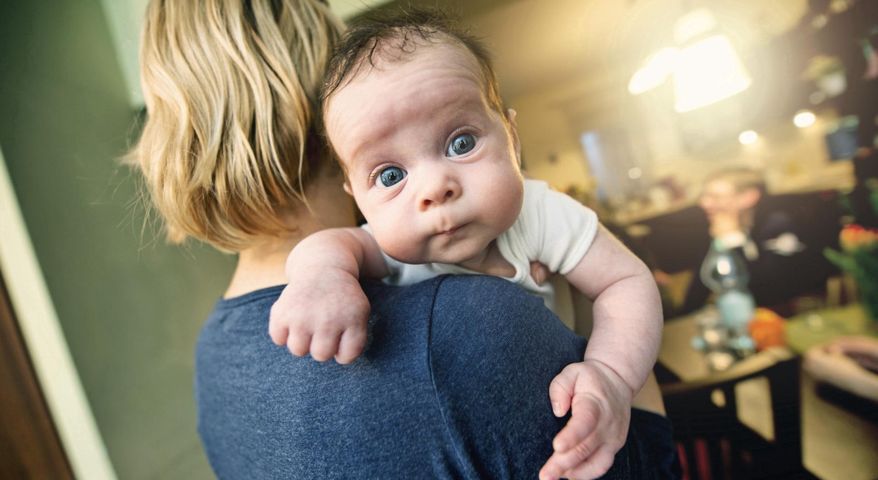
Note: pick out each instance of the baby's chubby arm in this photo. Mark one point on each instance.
(621, 352)
(323, 310)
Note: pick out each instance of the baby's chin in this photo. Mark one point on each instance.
(444, 257)
(407, 257)
(417, 259)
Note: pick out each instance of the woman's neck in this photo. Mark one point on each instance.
(262, 264)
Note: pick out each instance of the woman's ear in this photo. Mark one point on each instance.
(511, 114)
(347, 187)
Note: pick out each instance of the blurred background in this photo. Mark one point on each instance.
(627, 105)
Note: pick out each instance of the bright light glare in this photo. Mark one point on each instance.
(657, 68)
(706, 72)
(748, 137)
(692, 24)
(723, 266)
(634, 173)
(804, 119)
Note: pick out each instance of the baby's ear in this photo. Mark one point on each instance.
(511, 114)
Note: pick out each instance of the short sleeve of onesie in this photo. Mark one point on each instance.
(552, 229)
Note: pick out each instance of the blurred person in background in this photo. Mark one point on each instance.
(781, 237)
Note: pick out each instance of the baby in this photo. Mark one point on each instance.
(412, 110)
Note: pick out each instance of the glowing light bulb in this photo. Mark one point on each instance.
(657, 68)
(748, 137)
(804, 119)
(706, 72)
(723, 266)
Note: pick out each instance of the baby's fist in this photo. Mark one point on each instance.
(324, 315)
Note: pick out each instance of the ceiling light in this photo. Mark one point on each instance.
(748, 137)
(705, 68)
(804, 119)
(657, 68)
(693, 24)
(706, 72)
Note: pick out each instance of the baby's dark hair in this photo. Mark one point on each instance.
(393, 37)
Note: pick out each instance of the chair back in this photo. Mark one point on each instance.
(712, 441)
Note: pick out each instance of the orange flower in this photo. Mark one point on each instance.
(855, 237)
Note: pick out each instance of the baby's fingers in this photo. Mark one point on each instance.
(298, 342)
(324, 344)
(539, 272)
(582, 424)
(561, 391)
(278, 326)
(563, 462)
(278, 332)
(596, 465)
(351, 345)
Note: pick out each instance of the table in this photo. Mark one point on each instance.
(820, 326)
(836, 444)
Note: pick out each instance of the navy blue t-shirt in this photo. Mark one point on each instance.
(452, 385)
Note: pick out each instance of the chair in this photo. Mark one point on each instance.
(714, 444)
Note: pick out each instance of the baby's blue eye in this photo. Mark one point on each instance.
(391, 176)
(461, 144)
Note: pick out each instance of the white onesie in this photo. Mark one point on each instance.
(552, 229)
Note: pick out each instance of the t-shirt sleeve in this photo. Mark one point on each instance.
(559, 229)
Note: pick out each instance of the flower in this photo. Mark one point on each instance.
(859, 258)
(855, 237)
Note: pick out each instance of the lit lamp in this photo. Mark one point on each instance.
(705, 69)
(658, 67)
(708, 71)
(804, 118)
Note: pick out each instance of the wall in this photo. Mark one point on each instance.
(552, 120)
(129, 306)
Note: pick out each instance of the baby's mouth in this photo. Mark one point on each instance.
(452, 230)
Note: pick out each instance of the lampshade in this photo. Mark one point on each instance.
(707, 71)
(705, 68)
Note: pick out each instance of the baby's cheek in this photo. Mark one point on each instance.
(505, 201)
(398, 242)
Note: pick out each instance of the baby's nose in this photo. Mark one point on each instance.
(439, 192)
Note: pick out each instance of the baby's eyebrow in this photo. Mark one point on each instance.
(370, 138)
(361, 165)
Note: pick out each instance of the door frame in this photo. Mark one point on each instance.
(45, 342)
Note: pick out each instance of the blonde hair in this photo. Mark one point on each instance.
(231, 87)
(741, 178)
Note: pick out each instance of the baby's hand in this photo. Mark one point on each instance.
(600, 404)
(539, 272)
(322, 311)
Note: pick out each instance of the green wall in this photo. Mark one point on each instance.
(130, 306)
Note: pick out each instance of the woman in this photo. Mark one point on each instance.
(230, 155)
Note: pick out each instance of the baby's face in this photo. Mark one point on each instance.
(432, 167)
